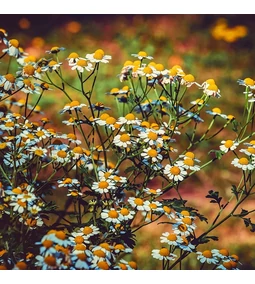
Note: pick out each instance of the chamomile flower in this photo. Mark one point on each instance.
(17, 159)
(122, 140)
(103, 186)
(74, 105)
(188, 80)
(212, 90)
(186, 245)
(48, 262)
(188, 164)
(73, 57)
(129, 119)
(151, 154)
(98, 56)
(78, 238)
(68, 182)
(243, 163)
(148, 71)
(247, 82)
(55, 50)
(90, 231)
(81, 64)
(60, 156)
(163, 254)
(38, 151)
(206, 257)
(111, 215)
(222, 253)
(170, 238)
(126, 214)
(250, 151)
(169, 212)
(153, 192)
(151, 136)
(184, 226)
(142, 55)
(7, 83)
(216, 112)
(51, 66)
(175, 172)
(18, 205)
(139, 204)
(228, 145)
(12, 47)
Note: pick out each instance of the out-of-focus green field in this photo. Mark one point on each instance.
(221, 47)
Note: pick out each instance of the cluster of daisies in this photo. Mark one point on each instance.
(85, 164)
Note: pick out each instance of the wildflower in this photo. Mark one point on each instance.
(48, 262)
(126, 265)
(126, 214)
(90, 231)
(81, 64)
(228, 145)
(212, 90)
(17, 159)
(122, 140)
(78, 238)
(18, 205)
(175, 172)
(128, 119)
(12, 48)
(250, 151)
(3, 35)
(142, 55)
(186, 245)
(148, 71)
(184, 226)
(7, 83)
(188, 80)
(171, 238)
(163, 254)
(198, 102)
(55, 50)
(60, 156)
(153, 192)
(168, 212)
(51, 66)
(216, 112)
(139, 204)
(151, 136)
(206, 256)
(68, 182)
(103, 186)
(222, 253)
(74, 105)
(151, 154)
(98, 56)
(188, 164)
(38, 151)
(72, 58)
(247, 82)
(110, 215)
(243, 163)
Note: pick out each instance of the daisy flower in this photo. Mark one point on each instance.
(51, 66)
(90, 231)
(126, 214)
(60, 156)
(175, 172)
(163, 254)
(81, 64)
(74, 105)
(142, 55)
(153, 192)
(151, 136)
(38, 151)
(188, 164)
(184, 226)
(228, 145)
(68, 182)
(151, 154)
(212, 90)
(55, 50)
(12, 47)
(170, 238)
(188, 80)
(126, 265)
(110, 215)
(18, 159)
(129, 119)
(18, 205)
(148, 71)
(80, 261)
(222, 253)
(139, 204)
(247, 82)
(72, 58)
(216, 112)
(243, 163)
(206, 257)
(250, 151)
(186, 245)
(103, 186)
(48, 262)
(122, 140)
(78, 238)
(168, 212)
(7, 83)
(98, 56)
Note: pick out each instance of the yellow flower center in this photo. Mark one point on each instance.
(153, 206)
(152, 153)
(243, 161)
(210, 81)
(119, 246)
(38, 152)
(61, 154)
(189, 162)
(138, 201)
(10, 78)
(164, 252)
(207, 254)
(252, 142)
(52, 63)
(167, 209)
(154, 126)
(251, 150)
(187, 220)
(130, 116)
(105, 246)
(185, 213)
(87, 230)
(29, 70)
(21, 203)
(80, 247)
(159, 67)
(227, 264)
(110, 120)
(103, 184)
(39, 133)
(124, 211)
(199, 101)
(21, 265)
(114, 90)
(175, 170)
(99, 253)
(74, 103)
(224, 252)
(113, 214)
(73, 55)
(128, 63)
(82, 62)
(9, 124)
(3, 145)
(104, 116)
(152, 135)
(182, 227)
(14, 43)
(47, 243)
(132, 264)
(82, 256)
(147, 70)
(172, 237)
(142, 53)
(249, 82)
(17, 190)
(145, 124)
(236, 257)
(228, 143)
(78, 239)
(99, 54)
(60, 235)
(124, 138)
(122, 266)
(78, 150)
(50, 260)
(213, 87)
(189, 78)
(103, 265)
(216, 110)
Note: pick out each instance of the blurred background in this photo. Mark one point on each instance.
(221, 47)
